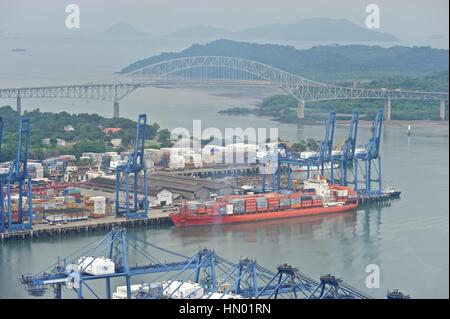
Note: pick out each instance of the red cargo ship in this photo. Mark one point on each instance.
(317, 197)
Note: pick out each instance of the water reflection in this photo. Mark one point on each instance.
(308, 227)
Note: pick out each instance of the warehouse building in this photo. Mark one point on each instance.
(163, 188)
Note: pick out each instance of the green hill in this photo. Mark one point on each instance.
(284, 108)
(87, 135)
(331, 63)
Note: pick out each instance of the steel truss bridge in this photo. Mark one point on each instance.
(216, 276)
(219, 70)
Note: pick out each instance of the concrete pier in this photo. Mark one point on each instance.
(442, 110)
(301, 110)
(116, 109)
(19, 105)
(156, 218)
(387, 109)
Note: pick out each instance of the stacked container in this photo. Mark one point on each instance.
(261, 204)
(201, 209)
(273, 201)
(250, 204)
(222, 209)
(285, 202)
(316, 201)
(306, 201)
(238, 206)
(70, 202)
(211, 207)
(96, 205)
(295, 200)
(72, 191)
(177, 162)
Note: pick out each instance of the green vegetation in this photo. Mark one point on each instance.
(238, 111)
(164, 138)
(276, 106)
(284, 108)
(305, 145)
(323, 63)
(69, 133)
(401, 109)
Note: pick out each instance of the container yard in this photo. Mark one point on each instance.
(101, 197)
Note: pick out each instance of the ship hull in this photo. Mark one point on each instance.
(197, 220)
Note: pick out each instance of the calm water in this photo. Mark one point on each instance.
(409, 240)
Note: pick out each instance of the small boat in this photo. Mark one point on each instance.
(392, 192)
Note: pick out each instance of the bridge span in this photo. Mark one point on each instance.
(224, 71)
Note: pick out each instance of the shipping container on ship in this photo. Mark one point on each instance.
(317, 197)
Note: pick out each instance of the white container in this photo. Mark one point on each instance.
(183, 290)
(342, 193)
(197, 160)
(123, 289)
(229, 209)
(177, 162)
(121, 295)
(218, 295)
(99, 204)
(96, 265)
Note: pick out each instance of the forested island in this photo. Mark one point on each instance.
(326, 63)
(283, 107)
(63, 133)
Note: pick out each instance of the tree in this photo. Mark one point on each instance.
(299, 147)
(53, 142)
(312, 144)
(164, 138)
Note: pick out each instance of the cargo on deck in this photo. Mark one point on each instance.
(317, 197)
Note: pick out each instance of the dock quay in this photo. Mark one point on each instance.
(367, 200)
(156, 218)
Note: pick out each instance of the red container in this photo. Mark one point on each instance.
(306, 203)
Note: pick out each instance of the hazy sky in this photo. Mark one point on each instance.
(407, 19)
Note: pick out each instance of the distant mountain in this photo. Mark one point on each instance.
(123, 30)
(315, 29)
(436, 37)
(202, 31)
(325, 63)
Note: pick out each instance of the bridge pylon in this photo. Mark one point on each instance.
(19, 105)
(442, 110)
(301, 110)
(387, 109)
(116, 109)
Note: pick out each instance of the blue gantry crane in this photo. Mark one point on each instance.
(371, 159)
(280, 161)
(135, 258)
(128, 185)
(325, 148)
(347, 154)
(17, 181)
